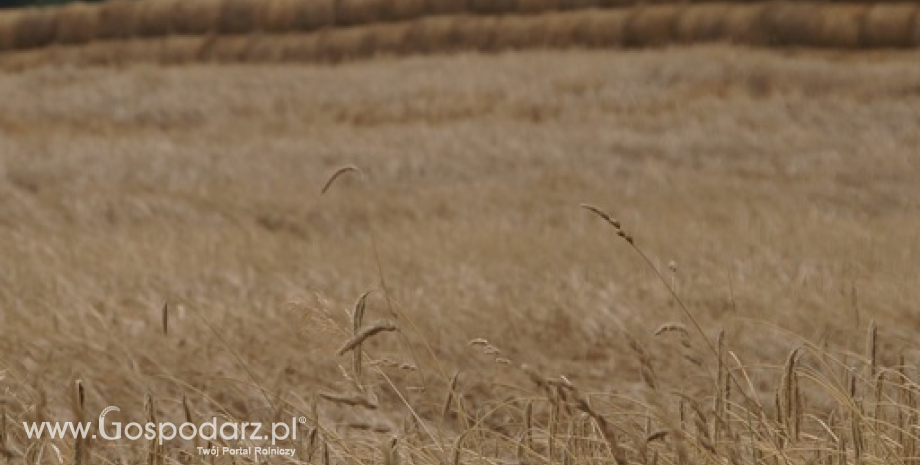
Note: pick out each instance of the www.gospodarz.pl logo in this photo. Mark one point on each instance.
(165, 431)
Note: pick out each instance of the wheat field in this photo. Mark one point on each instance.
(688, 255)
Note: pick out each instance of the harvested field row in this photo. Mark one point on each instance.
(825, 24)
(844, 27)
(121, 19)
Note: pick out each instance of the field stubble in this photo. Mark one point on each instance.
(783, 188)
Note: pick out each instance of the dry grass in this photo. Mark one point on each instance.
(768, 200)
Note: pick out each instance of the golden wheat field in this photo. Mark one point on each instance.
(703, 254)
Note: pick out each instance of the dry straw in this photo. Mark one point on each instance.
(8, 20)
(353, 400)
(36, 28)
(433, 34)
(356, 12)
(226, 49)
(448, 7)
(402, 10)
(840, 26)
(915, 36)
(537, 6)
(742, 24)
(299, 48)
(700, 23)
(315, 14)
(560, 30)
(76, 23)
(329, 182)
(276, 16)
(195, 17)
(791, 23)
(475, 33)
(154, 17)
(605, 29)
(264, 49)
(179, 50)
(390, 39)
(651, 26)
(583, 4)
(238, 16)
(357, 319)
(519, 33)
(890, 26)
(279, 16)
(117, 19)
(493, 7)
(366, 334)
(296, 15)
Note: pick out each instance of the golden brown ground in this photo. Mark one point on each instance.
(785, 188)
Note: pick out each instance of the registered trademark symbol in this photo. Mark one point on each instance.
(302, 420)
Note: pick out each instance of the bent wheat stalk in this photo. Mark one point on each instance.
(338, 173)
(365, 334)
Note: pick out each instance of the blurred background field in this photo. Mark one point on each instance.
(775, 189)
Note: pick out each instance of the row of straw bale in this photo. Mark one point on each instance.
(79, 23)
(834, 25)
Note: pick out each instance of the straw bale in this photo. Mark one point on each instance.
(742, 23)
(77, 23)
(36, 28)
(790, 23)
(117, 19)
(493, 7)
(890, 25)
(651, 25)
(155, 17)
(196, 17)
(448, 7)
(700, 23)
(238, 17)
(537, 6)
(355, 12)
